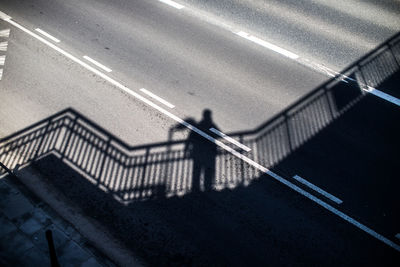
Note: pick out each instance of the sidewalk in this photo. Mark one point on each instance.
(24, 220)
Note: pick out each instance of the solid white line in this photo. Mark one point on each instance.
(157, 98)
(317, 189)
(97, 64)
(5, 33)
(172, 3)
(47, 35)
(346, 79)
(270, 46)
(4, 16)
(383, 95)
(230, 139)
(208, 137)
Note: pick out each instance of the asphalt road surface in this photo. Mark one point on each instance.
(132, 80)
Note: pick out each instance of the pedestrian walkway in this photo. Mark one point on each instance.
(24, 220)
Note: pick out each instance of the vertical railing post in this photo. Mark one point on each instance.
(242, 162)
(52, 250)
(391, 52)
(107, 145)
(286, 122)
(42, 140)
(69, 134)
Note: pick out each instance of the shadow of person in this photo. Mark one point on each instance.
(203, 153)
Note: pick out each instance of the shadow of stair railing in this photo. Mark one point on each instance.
(278, 137)
(164, 169)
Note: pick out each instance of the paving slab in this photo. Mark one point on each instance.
(35, 257)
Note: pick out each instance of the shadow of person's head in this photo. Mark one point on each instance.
(207, 115)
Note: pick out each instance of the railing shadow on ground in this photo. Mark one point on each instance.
(78, 157)
(141, 172)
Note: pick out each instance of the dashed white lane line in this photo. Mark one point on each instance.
(211, 139)
(268, 45)
(172, 3)
(47, 35)
(3, 46)
(318, 67)
(230, 139)
(97, 64)
(2, 61)
(159, 99)
(5, 33)
(317, 189)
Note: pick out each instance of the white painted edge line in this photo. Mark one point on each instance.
(47, 35)
(159, 99)
(4, 16)
(317, 189)
(366, 88)
(397, 236)
(97, 64)
(383, 95)
(172, 3)
(268, 45)
(230, 139)
(208, 137)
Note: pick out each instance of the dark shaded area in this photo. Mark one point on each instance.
(202, 153)
(52, 250)
(356, 157)
(150, 196)
(262, 224)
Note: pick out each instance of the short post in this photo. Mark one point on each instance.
(52, 250)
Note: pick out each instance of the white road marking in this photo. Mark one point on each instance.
(317, 189)
(97, 64)
(397, 236)
(5, 33)
(3, 46)
(318, 67)
(4, 16)
(383, 95)
(268, 45)
(230, 139)
(346, 79)
(47, 35)
(172, 3)
(159, 99)
(208, 137)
